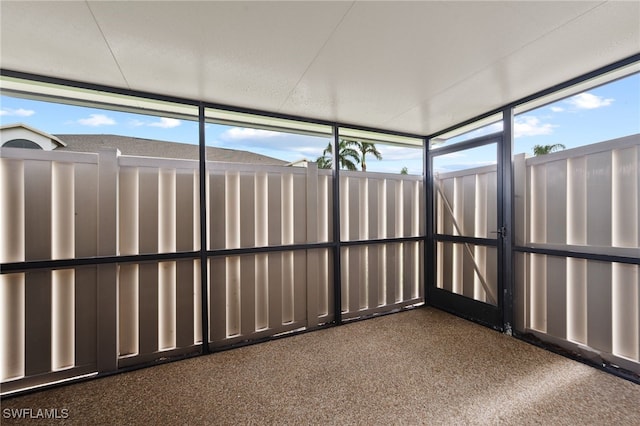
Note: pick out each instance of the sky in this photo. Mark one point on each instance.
(599, 114)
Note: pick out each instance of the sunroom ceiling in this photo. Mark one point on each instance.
(415, 67)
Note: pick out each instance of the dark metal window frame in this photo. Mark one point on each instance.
(204, 254)
(429, 238)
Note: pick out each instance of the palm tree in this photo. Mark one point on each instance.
(546, 149)
(348, 156)
(367, 148)
(324, 161)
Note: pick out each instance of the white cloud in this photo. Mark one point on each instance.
(136, 123)
(589, 101)
(309, 150)
(452, 167)
(236, 133)
(557, 109)
(20, 112)
(529, 125)
(454, 155)
(396, 153)
(491, 128)
(96, 120)
(166, 123)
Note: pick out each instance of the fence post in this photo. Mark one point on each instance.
(107, 303)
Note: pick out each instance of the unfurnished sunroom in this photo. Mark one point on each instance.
(265, 168)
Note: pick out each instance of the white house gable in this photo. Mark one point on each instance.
(23, 136)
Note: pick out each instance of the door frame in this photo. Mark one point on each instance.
(498, 316)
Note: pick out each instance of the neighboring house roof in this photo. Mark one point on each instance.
(53, 138)
(163, 149)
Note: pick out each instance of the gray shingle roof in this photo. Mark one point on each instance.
(163, 149)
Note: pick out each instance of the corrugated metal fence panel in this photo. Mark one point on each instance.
(159, 302)
(48, 317)
(260, 295)
(257, 206)
(585, 199)
(253, 296)
(379, 205)
(380, 277)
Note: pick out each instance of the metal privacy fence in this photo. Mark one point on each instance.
(118, 282)
(584, 201)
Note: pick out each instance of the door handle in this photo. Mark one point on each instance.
(502, 231)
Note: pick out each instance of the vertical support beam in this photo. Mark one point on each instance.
(408, 200)
(313, 256)
(506, 217)
(204, 278)
(337, 282)
(429, 216)
(107, 246)
(519, 237)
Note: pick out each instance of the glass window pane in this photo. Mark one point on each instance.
(465, 192)
(264, 185)
(576, 164)
(381, 188)
(107, 166)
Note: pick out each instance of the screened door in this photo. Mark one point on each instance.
(467, 229)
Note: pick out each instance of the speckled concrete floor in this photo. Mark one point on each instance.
(417, 367)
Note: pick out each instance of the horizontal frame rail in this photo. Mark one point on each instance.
(466, 240)
(12, 267)
(578, 255)
(347, 243)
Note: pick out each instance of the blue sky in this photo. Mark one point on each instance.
(599, 114)
(602, 113)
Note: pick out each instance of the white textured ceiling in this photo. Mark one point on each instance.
(415, 67)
